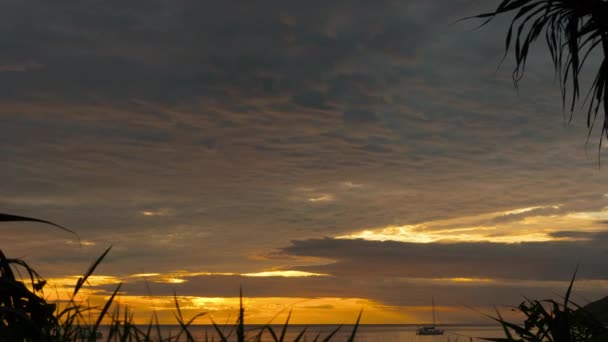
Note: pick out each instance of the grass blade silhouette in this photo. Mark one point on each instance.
(352, 335)
(16, 218)
(275, 338)
(284, 331)
(328, 338)
(569, 291)
(219, 331)
(105, 309)
(90, 271)
(184, 325)
(300, 335)
(240, 330)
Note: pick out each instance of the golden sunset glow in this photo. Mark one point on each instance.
(268, 309)
(178, 277)
(321, 198)
(288, 274)
(159, 212)
(260, 310)
(496, 227)
(93, 280)
(467, 280)
(145, 275)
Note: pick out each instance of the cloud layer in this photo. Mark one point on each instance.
(206, 137)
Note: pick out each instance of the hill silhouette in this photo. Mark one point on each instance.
(599, 309)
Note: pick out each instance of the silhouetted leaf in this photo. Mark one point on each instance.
(15, 218)
(352, 335)
(90, 271)
(573, 30)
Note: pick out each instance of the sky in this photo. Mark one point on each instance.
(325, 155)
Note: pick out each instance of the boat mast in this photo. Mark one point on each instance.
(433, 302)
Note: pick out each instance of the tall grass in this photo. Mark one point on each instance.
(26, 316)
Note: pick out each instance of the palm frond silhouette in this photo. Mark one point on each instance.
(573, 30)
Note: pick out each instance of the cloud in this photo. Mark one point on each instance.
(159, 212)
(275, 46)
(212, 119)
(321, 198)
(351, 185)
(390, 291)
(287, 273)
(20, 67)
(530, 224)
(359, 116)
(530, 260)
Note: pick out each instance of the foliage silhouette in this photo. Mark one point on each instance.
(572, 30)
(15, 218)
(548, 320)
(26, 316)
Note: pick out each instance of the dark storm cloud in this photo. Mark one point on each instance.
(579, 235)
(359, 116)
(186, 49)
(536, 261)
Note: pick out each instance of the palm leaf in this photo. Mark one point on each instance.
(573, 29)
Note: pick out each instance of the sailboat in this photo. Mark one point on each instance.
(430, 330)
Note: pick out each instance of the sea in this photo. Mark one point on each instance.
(365, 333)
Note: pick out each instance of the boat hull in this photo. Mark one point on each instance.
(429, 331)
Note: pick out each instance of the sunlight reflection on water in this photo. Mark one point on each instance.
(365, 333)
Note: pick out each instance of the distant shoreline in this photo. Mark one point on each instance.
(454, 325)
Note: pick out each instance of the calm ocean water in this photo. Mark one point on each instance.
(365, 333)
